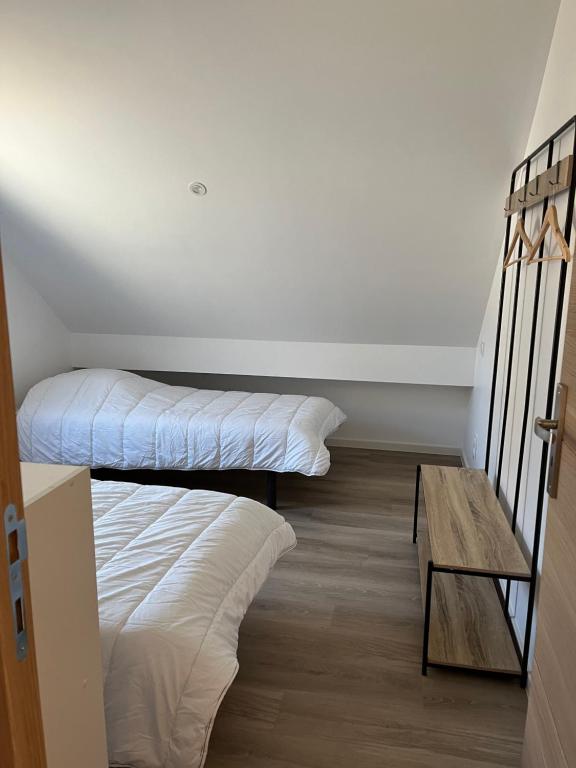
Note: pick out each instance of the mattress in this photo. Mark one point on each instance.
(106, 418)
(176, 572)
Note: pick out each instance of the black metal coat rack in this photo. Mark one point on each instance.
(559, 177)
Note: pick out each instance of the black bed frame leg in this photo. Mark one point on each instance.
(271, 489)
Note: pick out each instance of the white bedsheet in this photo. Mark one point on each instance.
(176, 573)
(103, 418)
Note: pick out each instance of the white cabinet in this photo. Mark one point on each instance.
(58, 513)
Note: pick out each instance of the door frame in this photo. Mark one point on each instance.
(21, 732)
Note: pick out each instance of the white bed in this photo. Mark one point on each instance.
(107, 418)
(176, 573)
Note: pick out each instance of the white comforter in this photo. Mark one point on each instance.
(176, 573)
(103, 418)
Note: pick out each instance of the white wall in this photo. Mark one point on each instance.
(384, 416)
(556, 103)
(39, 342)
(355, 155)
(354, 176)
(390, 416)
(448, 366)
(476, 431)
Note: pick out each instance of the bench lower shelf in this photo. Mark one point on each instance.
(467, 624)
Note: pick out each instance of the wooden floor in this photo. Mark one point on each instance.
(330, 650)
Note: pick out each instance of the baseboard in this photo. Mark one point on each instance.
(384, 445)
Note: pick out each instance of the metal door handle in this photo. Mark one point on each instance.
(544, 428)
(552, 432)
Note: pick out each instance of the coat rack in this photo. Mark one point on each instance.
(557, 178)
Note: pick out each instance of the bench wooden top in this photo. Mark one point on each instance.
(467, 526)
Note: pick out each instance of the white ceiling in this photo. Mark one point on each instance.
(356, 154)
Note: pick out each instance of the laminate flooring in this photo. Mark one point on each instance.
(330, 649)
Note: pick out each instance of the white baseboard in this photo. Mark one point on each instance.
(384, 445)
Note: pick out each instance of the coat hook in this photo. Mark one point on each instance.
(557, 179)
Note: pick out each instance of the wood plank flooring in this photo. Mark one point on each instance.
(330, 649)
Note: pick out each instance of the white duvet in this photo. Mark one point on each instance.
(176, 573)
(103, 418)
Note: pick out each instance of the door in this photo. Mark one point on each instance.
(21, 736)
(550, 739)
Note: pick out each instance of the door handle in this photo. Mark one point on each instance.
(544, 428)
(552, 432)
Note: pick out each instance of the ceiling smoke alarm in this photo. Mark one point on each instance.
(197, 188)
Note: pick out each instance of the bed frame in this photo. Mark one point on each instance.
(271, 500)
(175, 477)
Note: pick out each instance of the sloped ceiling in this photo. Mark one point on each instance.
(356, 155)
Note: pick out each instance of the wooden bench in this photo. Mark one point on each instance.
(465, 544)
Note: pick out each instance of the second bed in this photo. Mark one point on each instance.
(176, 572)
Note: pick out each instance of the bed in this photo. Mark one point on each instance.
(119, 420)
(176, 572)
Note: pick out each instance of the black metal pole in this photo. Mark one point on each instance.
(563, 128)
(510, 353)
(549, 405)
(427, 608)
(498, 335)
(529, 373)
(416, 500)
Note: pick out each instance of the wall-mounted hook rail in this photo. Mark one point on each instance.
(552, 181)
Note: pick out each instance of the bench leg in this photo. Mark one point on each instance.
(271, 489)
(427, 618)
(417, 494)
